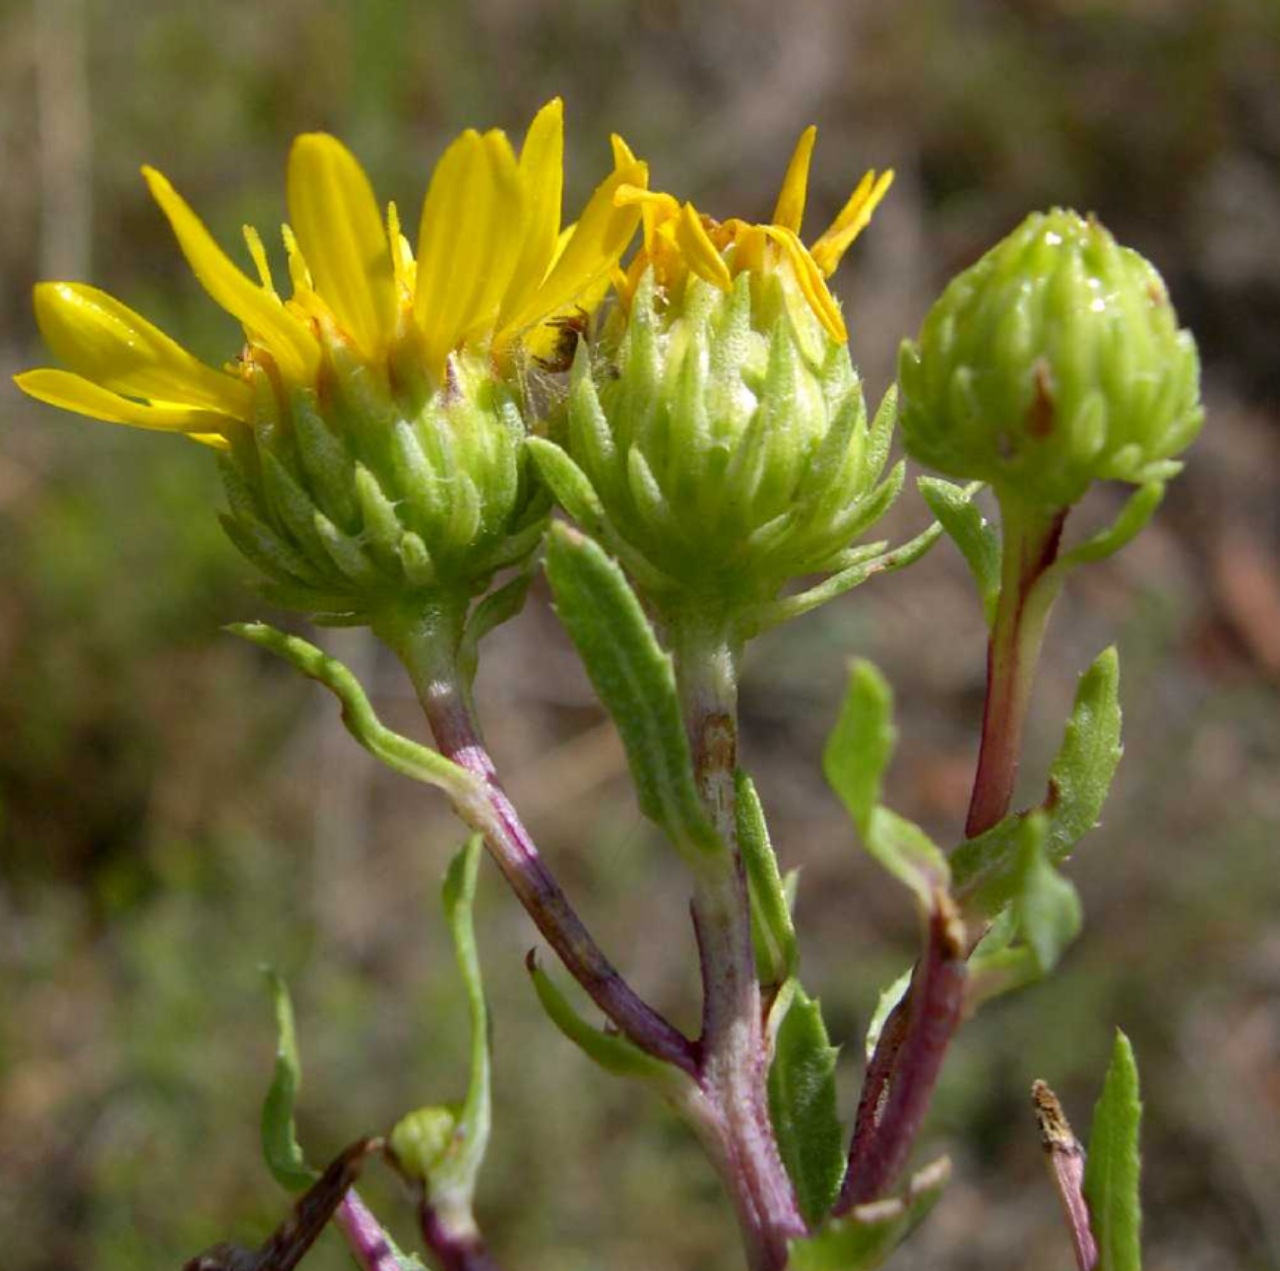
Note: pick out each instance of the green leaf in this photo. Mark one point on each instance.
(885, 1003)
(856, 756)
(1138, 510)
(496, 608)
(985, 868)
(868, 1234)
(279, 1139)
(772, 931)
(969, 530)
(456, 1174)
(861, 744)
(635, 681)
(1046, 906)
(613, 1052)
(397, 752)
(802, 1106)
(1111, 1175)
(909, 854)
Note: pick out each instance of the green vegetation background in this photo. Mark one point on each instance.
(175, 810)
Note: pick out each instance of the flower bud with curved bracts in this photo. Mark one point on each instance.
(1054, 361)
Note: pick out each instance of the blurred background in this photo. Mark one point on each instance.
(176, 810)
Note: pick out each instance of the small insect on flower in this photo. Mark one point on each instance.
(568, 329)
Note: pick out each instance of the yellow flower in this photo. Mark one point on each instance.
(492, 264)
(679, 240)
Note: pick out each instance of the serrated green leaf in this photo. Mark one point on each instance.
(613, 1052)
(772, 931)
(802, 1106)
(1113, 1168)
(635, 681)
(397, 752)
(280, 1146)
(868, 1234)
(969, 530)
(984, 869)
(1046, 906)
(861, 744)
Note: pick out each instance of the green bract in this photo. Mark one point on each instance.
(1054, 361)
(356, 493)
(726, 440)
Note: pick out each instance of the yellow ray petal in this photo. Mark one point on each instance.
(812, 283)
(852, 220)
(108, 343)
(542, 175)
(789, 212)
(288, 340)
(339, 226)
(470, 231)
(623, 155)
(599, 239)
(699, 251)
(75, 393)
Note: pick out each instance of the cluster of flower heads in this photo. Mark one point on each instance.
(494, 270)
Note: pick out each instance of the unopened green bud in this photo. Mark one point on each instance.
(423, 1139)
(726, 439)
(1054, 361)
(355, 494)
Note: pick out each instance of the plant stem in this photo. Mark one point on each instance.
(1065, 1158)
(904, 1070)
(913, 1044)
(455, 1240)
(427, 641)
(1031, 541)
(364, 1235)
(733, 1071)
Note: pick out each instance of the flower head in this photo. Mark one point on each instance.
(680, 241)
(372, 420)
(492, 263)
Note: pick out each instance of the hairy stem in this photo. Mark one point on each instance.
(427, 642)
(733, 1071)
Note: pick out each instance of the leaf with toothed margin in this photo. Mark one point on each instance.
(802, 1106)
(984, 868)
(279, 1139)
(635, 681)
(1113, 1168)
(863, 1239)
(976, 538)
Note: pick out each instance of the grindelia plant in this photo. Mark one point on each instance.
(677, 434)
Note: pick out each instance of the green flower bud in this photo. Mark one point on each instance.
(1054, 361)
(423, 1139)
(354, 494)
(727, 439)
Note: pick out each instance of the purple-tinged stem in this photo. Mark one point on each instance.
(1065, 1158)
(364, 1235)
(428, 646)
(915, 1040)
(734, 1066)
(1030, 547)
(457, 1246)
